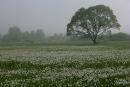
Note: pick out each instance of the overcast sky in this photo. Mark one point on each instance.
(53, 15)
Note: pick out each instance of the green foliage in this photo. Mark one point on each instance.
(92, 22)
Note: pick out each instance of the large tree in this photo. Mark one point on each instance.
(92, 21)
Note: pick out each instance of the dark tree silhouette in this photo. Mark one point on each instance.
(92, 21)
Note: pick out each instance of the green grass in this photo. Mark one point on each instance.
(85, 73)
(14, 65)
(118, 44)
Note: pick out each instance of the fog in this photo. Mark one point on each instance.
(53, 15)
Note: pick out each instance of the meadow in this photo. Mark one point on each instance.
(75, 64)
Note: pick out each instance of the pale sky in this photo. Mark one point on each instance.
(53, 15)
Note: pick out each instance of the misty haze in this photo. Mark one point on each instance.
(64, 43)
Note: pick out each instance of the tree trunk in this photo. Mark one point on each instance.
(94, 41)
(93, 38)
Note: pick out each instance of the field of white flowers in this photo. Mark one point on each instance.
(65, 66)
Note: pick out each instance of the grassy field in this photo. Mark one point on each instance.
(70, 64)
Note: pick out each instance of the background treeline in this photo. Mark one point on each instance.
(15, 34)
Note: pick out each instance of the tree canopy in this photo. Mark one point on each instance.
(92, 22)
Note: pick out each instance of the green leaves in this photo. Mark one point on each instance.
(91, 21)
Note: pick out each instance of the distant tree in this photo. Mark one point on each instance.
(0, 37)
(40, 35)
(92, 21)
(37, 35)
(55, 36)
(59, 36)
(13, 35)
(32, 36)
(26, 36)
(120, 36)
